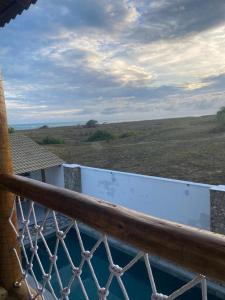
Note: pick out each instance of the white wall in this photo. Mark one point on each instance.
(54, 175)
(36, 175)
(175, 200)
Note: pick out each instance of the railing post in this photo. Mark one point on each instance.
(9, 267)
(217, 209)
(72, 177)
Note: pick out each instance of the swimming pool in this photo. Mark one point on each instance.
(135, 279)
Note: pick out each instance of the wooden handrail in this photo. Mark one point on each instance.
(198, 250)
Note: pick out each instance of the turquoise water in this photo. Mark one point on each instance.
(135, 280)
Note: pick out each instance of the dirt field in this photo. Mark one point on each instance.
(185, 148)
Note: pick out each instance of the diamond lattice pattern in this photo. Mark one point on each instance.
(59, 261)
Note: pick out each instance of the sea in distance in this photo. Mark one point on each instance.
(39, 125)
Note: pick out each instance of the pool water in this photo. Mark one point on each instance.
(135, 279)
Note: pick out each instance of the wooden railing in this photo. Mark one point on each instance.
(198, 250)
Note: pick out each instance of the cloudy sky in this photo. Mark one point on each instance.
(114, 60)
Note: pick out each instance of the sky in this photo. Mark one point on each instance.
(114, 60)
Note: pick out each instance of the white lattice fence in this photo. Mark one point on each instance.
(31, 236)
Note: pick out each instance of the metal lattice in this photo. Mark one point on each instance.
(31, 236)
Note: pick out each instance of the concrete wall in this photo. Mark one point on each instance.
(72, 177)
(217, 196)
(36, 175)
(54, 175)
(175, 200)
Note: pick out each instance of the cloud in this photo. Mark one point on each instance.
(195, 85)
(106, 16)
(114, 60)
(175, 19)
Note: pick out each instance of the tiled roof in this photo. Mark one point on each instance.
(9, 9)
(29, 156)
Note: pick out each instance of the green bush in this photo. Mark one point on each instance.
(44, 127)
(11, 130)
(101, 135)
(127, 134)
(220, 116)
(91, 123)
(50, 140)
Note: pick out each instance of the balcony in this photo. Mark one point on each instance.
(89, 239)
(111, 235)
(138, 244)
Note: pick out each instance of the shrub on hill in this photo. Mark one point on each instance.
(220, 117)
(101, 135)
(127, 134)
(91, 123)
(50, 140)
(11, 130)
(44, 127)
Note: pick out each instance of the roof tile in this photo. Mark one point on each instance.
(29, 156)
(9, 9)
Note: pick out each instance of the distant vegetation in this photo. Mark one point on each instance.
(44, 127)
(220, 117)
(104, 135)
(181, 148)
(101, 135)
(127, 134)
(91, 123)
(50, 141)
(11, 130)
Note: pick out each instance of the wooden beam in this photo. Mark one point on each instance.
(9, 268)
(197, 250)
